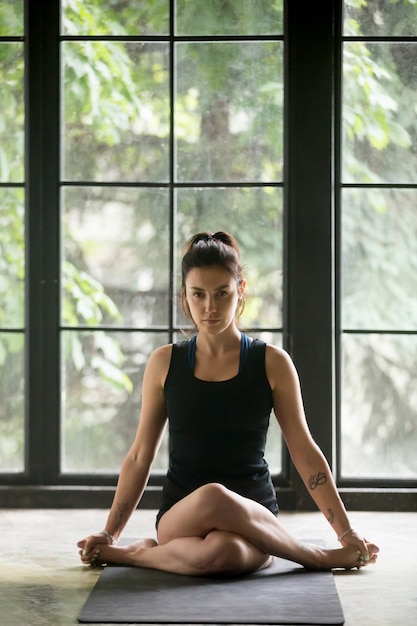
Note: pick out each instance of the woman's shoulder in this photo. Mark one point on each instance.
(160, 358)
(159, 361)
(278, 363)
(161, 355)
(276, 354)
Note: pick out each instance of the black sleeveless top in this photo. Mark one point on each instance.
(217, 430)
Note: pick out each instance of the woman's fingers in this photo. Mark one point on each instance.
(87, 548)
(368, 556)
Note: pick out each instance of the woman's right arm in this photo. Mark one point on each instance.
(137, 465)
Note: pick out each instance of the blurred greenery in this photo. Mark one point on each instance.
(229, 17)
(379, 241)
(11, 18)
(228, 126)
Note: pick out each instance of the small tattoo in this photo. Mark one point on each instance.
(317, 479)
(122, 508)
(330, 519)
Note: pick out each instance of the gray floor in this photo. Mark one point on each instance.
(42, 582)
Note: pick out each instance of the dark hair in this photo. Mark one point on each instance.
(208, 249)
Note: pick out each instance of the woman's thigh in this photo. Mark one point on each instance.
(213, 507)
(183, 519)
(192, 516)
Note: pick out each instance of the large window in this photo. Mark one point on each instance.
(125, 127)
(155, 120)
(172, 124)
(379, 242)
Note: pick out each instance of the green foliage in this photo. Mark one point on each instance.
(379, 234)
(369, 110)
(229, 17)
(228, 126)
(86, 299)
(11, 112)
(11, 18)
(119, 17)
(12, 260)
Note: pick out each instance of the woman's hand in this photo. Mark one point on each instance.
(367, 552)
(90, 547)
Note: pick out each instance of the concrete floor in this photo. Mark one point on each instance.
(42, 582)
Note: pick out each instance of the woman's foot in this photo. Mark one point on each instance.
(313, 557)
(345, 558)
(121, 555)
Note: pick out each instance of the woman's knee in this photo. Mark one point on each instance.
(212, 491)
(211, 499)
(195, 515)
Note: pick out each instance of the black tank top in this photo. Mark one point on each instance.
(217, 430)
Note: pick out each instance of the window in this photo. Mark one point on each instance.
(156, 121)
(164, 133)
(379, 246)
(127, 127)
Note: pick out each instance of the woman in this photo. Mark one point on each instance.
(219, 508)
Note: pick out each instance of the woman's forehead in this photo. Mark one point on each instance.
(212, 276)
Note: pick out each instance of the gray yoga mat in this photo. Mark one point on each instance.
(284, 593)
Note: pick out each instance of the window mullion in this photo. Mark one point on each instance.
(42, 236)
(309, 207)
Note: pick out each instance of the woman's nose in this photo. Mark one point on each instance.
(210, 305)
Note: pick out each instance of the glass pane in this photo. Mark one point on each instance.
(12, 258)
(273, 450)
(228, 111)
(115, 256)
(102, 377)
(397, 18)
(12, 409)
(236, 17)
(116, 102)
(379, 114)
(379, 406)
(11, 112)
(379, 259)
(11, 18)
(254, 217)
(136, 17)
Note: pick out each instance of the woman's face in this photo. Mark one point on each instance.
(212, 294)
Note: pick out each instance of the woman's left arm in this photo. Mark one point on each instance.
(307, 457)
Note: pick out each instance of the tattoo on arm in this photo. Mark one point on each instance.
(122, 508)
(330, 519)
(317, 479)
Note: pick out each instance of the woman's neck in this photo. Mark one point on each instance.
(217, 345)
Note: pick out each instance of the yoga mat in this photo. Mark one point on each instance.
(284, 593)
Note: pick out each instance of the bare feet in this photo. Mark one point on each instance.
(120, 555)
(345, 558)
(312, 557)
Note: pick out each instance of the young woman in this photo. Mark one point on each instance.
(219, 507)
